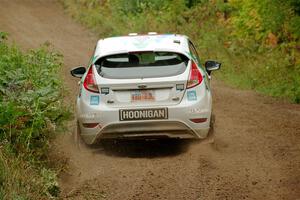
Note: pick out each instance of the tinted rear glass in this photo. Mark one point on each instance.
(142, 65)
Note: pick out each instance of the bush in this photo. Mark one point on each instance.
(31, 108)
(256, 19)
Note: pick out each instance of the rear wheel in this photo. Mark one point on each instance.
(211, 136)
(76, 136)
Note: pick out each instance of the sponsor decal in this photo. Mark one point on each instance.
(180, 87)
(87, 116)
(192, 95)
(92, 60)
(160, 38)
(191, 56)
(141, 42)
(143, 114)
(94, 100)
(195, 110)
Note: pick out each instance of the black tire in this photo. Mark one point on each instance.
(76, 137)
(211, 133)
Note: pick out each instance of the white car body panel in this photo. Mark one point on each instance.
(116, 45)
(180, 107)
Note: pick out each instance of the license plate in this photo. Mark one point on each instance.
(142, 95)
(143, 114)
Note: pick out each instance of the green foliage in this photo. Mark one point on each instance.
(31, 93)
(20, 179)
(256, 19)
(257, 41)
(31, 108)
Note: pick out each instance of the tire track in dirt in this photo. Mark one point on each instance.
(255, 155)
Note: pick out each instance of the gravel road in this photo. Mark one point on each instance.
(256, 153)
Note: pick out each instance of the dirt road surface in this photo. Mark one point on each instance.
(256, 153)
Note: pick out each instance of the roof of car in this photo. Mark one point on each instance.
(149, 42)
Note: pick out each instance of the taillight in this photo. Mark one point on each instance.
(89, 82)
(195, 77)
(90, 125)
(199, 120)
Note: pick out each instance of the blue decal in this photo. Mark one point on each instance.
(94, 100)
(191, 95)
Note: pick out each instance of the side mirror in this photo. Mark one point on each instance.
(211, 66)
(78, 72)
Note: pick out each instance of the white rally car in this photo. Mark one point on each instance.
(144, 86)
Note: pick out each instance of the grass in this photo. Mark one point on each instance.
(221, 31)
(31, 112)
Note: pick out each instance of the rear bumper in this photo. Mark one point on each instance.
(149, 129)
(178, 124)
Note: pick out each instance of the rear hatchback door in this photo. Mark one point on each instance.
(142, 78)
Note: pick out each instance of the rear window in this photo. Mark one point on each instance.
(141, 65)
